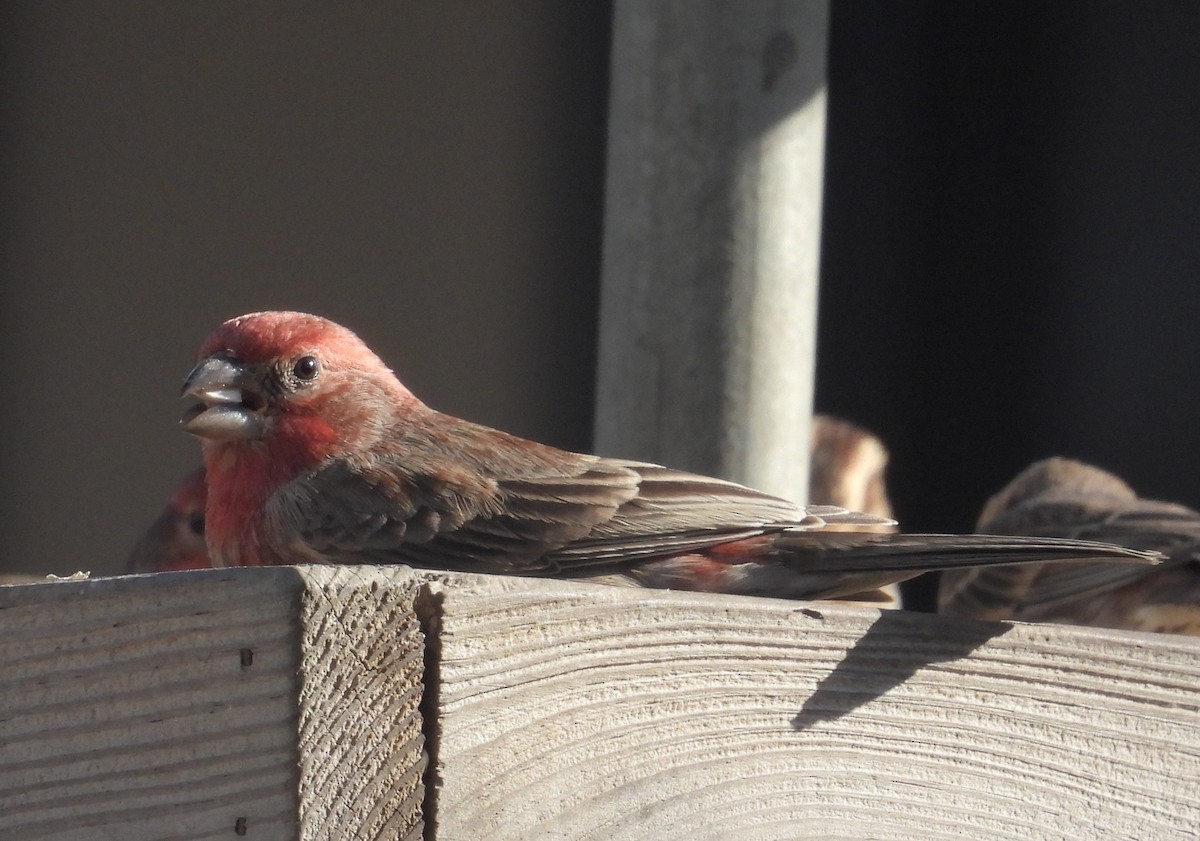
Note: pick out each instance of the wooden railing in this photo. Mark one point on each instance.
(374, 702)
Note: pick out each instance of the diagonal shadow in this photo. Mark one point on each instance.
(894, 648)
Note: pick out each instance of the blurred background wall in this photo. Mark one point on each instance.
(427, 173)
(1010, 251)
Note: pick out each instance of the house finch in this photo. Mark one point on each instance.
(1063, 498)
(846, 464)
(176, 539)
(316, 453)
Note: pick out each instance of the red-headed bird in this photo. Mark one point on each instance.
(176, 539)
(316, 453)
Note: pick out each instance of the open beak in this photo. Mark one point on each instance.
(231, 406)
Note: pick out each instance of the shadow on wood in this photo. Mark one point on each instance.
(891, 650)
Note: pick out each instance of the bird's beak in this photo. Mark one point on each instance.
(231, 404)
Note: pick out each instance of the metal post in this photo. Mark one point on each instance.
(712, 229)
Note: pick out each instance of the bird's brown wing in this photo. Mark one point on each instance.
(555, 513)
(453, 518)
(677, 512)
(605, 517)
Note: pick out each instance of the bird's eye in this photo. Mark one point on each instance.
(306, 368)
(196, 522)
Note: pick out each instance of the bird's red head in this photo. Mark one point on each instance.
(293, 382)
(176, 539)
(266, 336)
(280, 394)
(189, 497)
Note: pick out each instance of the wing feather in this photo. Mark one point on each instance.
(550, 512)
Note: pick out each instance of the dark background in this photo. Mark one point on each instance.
(1010, 251)
(1012, 243)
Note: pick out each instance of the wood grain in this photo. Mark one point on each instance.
(205, 705)
(572, 711)
(361, 745)
(286, 703)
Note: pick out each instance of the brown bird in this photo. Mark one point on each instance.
(317, 453)
(1059, 497)
(846, 466)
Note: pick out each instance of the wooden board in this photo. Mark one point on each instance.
(274, 704)
(568, 711)
(286, 704)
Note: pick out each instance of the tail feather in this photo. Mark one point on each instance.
(844, 552)
(834, 516)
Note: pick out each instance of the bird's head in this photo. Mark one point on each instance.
(176, 539)
(292, 379)
(1050, 479)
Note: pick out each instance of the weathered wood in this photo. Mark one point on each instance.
(568, 711)
(361, 745)
(711, 237)
(277, 703)
(283, 703)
